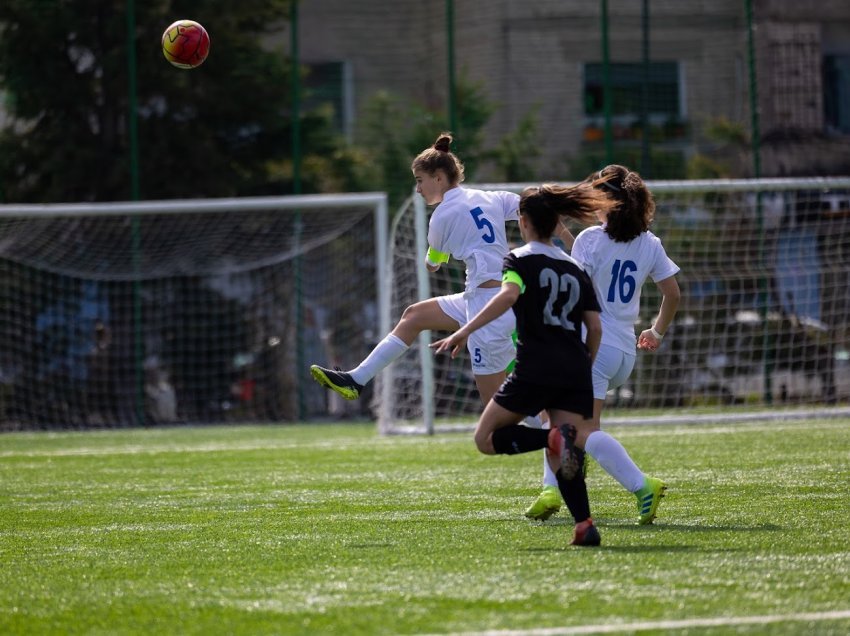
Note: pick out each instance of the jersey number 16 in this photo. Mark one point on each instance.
(622, 281)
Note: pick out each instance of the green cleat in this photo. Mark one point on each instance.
(336, 380)
(648, 499)
(547, 504)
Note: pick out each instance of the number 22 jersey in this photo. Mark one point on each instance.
(554, 294)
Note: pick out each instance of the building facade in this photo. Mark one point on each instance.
(680, 76)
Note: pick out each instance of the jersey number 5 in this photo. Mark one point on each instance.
(566, 285)
(483, 223)
(622, 281)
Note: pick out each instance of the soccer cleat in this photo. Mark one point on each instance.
(337, 380)
(563, 455)
(586, 534)
(648, 499)
(547, 504)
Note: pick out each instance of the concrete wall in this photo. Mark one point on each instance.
(531, 53)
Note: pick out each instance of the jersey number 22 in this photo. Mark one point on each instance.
(565, 285)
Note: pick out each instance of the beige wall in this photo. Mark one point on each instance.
(529, 52)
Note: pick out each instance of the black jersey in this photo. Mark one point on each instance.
(555, 294)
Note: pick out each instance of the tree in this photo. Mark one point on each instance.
(222, 129)
(394, 130)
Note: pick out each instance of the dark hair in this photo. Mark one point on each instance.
(440, 157)
(545, 204)
(637, 205)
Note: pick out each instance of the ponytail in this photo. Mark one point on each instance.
(545, 205)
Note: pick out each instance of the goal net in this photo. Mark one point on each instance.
(761, 331)
(190, 311)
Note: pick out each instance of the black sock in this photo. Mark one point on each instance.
(574, 492)
(514, 439)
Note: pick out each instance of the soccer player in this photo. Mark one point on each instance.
(619, 256)
(469, 225)
(552, 298)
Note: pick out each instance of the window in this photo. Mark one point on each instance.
(329, 83)
(626, 89)
(665, 108)
(836, 92)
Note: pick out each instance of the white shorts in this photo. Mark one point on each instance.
(491, 348)
(611, 369)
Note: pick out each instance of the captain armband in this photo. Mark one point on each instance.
(435, 258)
(511, 276)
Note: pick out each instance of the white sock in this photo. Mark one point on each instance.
(534, 421)
(614, 459)
(549, 478)
(382, 355)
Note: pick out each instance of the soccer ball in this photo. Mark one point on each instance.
(185, 44)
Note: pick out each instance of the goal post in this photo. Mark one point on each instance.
(187, 311)
(762, 329)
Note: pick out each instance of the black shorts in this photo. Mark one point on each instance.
(529, 399)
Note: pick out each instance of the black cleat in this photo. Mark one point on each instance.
(337, 380)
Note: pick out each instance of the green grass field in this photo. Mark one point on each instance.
(331, 529)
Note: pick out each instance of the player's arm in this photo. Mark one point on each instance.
(438, 252)
(497, 305)
(650, 339)
(435, 258)
(593, 325)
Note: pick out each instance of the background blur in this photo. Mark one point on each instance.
(543, 90)
(335, 96)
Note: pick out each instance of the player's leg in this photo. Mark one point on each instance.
(548, 502)
(569, 472)
(611, 369)
(499, 431)
(429, 314)
(492, 349)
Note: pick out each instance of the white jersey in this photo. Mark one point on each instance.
(618, 271)
(470, 225)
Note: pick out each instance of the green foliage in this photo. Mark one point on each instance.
(723, 130)
(703, 167)
(474, 109)
(666, 164)
(515, 154)
(393, 130)
(218, 130)
(331, 530)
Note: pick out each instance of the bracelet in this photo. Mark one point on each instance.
(655, 334)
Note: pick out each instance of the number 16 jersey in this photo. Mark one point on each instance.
(618, 271)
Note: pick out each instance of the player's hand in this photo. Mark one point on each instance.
(454, 343)
(647, 341)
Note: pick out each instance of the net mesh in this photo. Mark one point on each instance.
(202, 315)
(763, 319)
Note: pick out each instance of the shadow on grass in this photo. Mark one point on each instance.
(601, 522)
(680, 527)
(663, 548)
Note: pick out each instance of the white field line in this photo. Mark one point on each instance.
(720, 621)
(156, 448)
(206, 447)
